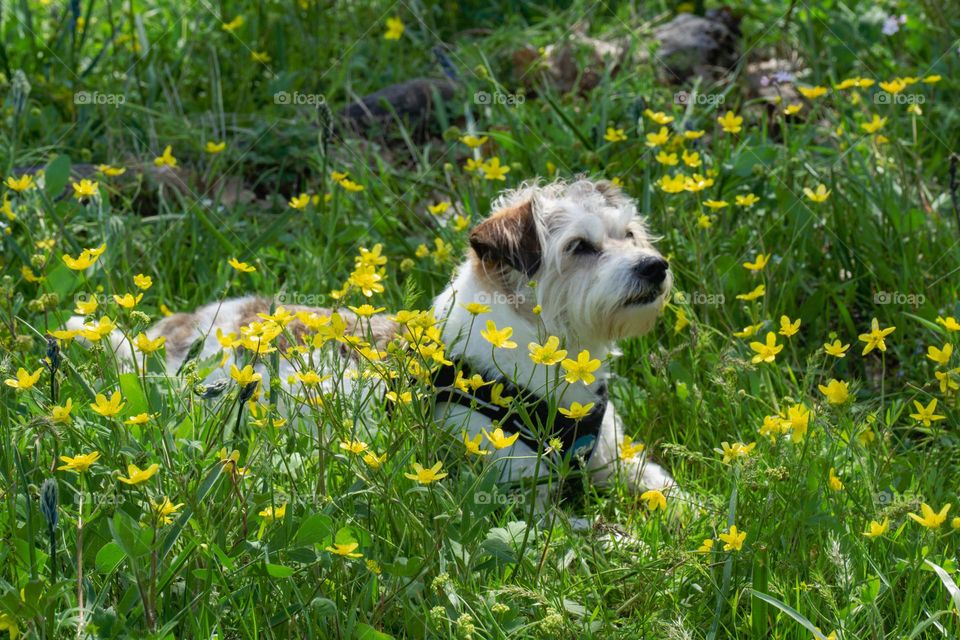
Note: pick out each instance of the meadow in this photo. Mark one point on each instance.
(801, 385)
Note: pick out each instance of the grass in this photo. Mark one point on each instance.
(437, 560)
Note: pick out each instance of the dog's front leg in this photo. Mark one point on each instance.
(607, 465)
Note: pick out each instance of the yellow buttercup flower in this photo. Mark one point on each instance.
(730, 122)
(499, 338)
(733, 539)
(476, 308)
(108, 408)
(836, 349)
(630, 449)
(345, 549)
(614, 135)
(819, 195)
(242, 267)
(835, 483)
(747, 201)
(758, 292)
(876, 339)
(580, 369)
(499, 439)
(875, 124)
(299, 202)
(926, 414)
(166, 159)
(706, 546)
(473, 142)
(659, 117)
(24, 380)
(659, 138)
(949, 323)
(142, 282)
(735, 451)
(759, 262)
(60, 414)
(426, 476)
(547, 354)
(473, 444)
(79, 463)
(128, 300)
(812, 93)
(271, 513)
(244, 376)
(654, 499)
(576, 411)
(136, 475)
(213, 148)
(395, 29)
(876, 529)
(931, 519)
(766, 351)
(233, 25)
(111, 172)
(788, 328)
(85, 189)
(492, 170)
(836, 392)
(164, 509)
(146, 345)
(940, 356)
(21, 184)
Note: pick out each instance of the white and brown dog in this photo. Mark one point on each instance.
(598, 278)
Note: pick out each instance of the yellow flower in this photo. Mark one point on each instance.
(395, 29)
(233, 25)
(704, 222)
(812, 93)
(577, 410)
(493, 171)
(242, 267)
(140, 418)
(473, 142)
(21, 184)
(818, 196)
(874, 125)
(940, 356)
(166, 159)
(580, 369)
(164, 509)
(876, 339)
(426, 476)
(673, 184)
(747, 201)
(945, 378)
(614, 135)
(345, 549)
(630, 449)
(682, 321)
(473, 444)
(374, 461)
(271, 514)
(926, 414)
(654, 499)
(366, 310)
(716, 204)
(836, 392)
(497, 397)
(733, 539)
(932, 79)
(214, 148)
(788, 328)
(111, 172)
(730, 122)
(949, 323)
(499, 338)
(931, 519)
(146, 345)
(735, 451)
(476, 308)
(877, 529)
(706, 546)
(499, 439)
(659, 117)
(691, 159)
(792, 109)
(85, 189)
(79, 463)
(836, 349)
(766, 352)
(669, 159)
(440, 207)
(835, 483)
(894, 86)
(136, 475)
(61, 414)
(547, 354)
(797, 421)
(86, 258)
(299, 202)
(128, 300)
(350, 185)
(693, 135)
(262, 57)
(749, 331)
(758, 292)
(244, 376)
(759, 263)
(108, 408)
(658, 139)
(142, 282)
(354, 446)
(24, 380)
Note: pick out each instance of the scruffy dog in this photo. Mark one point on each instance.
(571, 261)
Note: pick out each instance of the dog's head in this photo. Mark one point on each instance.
(598, 276)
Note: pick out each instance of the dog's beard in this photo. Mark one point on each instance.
(607, 305)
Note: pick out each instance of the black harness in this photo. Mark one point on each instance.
(578, 437)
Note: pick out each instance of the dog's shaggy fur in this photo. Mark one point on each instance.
(571, 260)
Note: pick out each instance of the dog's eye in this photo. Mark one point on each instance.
(582, 248)
(629, 235)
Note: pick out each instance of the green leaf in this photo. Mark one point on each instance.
(133, 393)
(279, 571)
(56, 175)
(793, 613)
(366, 632)
(133, 539)
(316, 529)
(109, 557)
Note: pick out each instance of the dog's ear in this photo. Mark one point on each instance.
(509, 238)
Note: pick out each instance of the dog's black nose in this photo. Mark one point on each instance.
(652, 269)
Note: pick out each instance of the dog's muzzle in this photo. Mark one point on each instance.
(650, 272)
